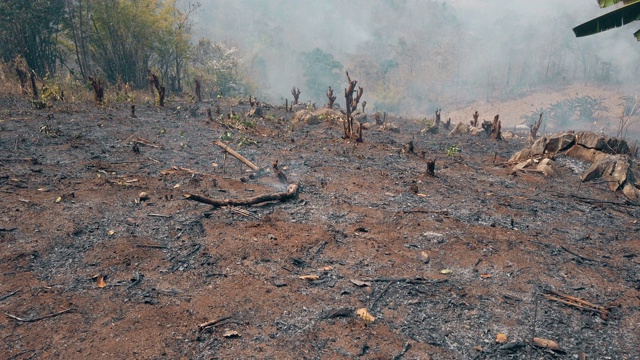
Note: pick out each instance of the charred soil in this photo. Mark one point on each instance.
(90, 268)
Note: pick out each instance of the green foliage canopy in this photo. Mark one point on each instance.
(320, 70)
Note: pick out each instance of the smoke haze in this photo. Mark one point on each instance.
(413, 56)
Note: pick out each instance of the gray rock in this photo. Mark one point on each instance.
(591, 140)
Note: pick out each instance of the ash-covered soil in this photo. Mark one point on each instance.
(443, 263)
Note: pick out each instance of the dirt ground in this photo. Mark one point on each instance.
(443, 263)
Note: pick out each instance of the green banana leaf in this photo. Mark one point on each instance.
(605, 3)
(613, 19)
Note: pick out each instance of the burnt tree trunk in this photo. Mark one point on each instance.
(351, 104)
(198, 91)
(533, 133)
(496, 127)
(474, 122)
(438, 111)
(153, 80)
(431, 167)
(296, 95)
(22, 75)
(98, 90)
(34, 87)
(332, 98)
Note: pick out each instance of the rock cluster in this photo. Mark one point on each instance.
(610, 158)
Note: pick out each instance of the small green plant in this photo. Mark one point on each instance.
(453, 151)
(227, 136)
(246, 141)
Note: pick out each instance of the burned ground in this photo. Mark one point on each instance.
(449, 261)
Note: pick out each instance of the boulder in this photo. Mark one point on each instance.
(547, 167)
(461, 128)
(306, 117)
(614, 169)
(522, 165)
(582, 153)
(591, 140)
(539, 146)
(559, 142)
(521, 155)
(631, 191)
(602, 168)
(476, 130)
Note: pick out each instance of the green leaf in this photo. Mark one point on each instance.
(605, 3)
(614, 19)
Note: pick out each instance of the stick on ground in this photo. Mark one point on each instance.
(291, 192)
(38, 318)
(237, 156)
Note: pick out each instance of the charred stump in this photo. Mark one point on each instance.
(331, 97)
(486, 125)
(296, 95)
(34, 87)
(364, 104)
(533, 133)
(133, 111)
(351, 104)
(496, 127)
(155, 82)
(438, 111)
(198, 91)
(474, 122)
(279, 174)
(98, 90)
(447, 125)
(431, 167)
(23, 77)
(209, 117)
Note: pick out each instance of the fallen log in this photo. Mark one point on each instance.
(291, 192)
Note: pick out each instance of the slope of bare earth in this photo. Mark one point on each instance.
(511, 111)
(70, 180)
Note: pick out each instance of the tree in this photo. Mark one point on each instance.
(217, 66)
(320, 70)
(30, 29)
(622, 16)
(124, 38)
